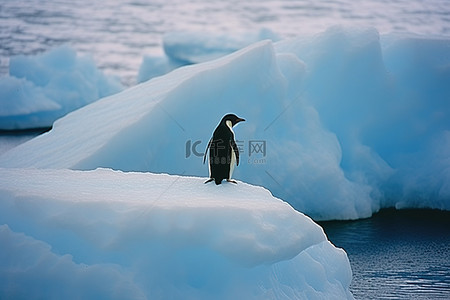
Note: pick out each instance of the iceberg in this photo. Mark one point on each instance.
(193, 48)
(105, 234)
(40, 89)
(339, 124)
(185, 48)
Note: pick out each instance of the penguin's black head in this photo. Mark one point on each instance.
(231, 120)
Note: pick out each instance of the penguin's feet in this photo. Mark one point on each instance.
(232, 181)
(209, 180)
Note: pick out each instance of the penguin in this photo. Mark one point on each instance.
(223, 151)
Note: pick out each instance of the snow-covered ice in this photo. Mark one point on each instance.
(350, 122)
(43, 88)
(104, 234)
(339, 124)
(107, 234)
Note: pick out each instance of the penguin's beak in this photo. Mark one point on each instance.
(240, 120)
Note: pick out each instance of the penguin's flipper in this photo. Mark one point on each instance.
(236, 151)
(209, 180)
(206, 151)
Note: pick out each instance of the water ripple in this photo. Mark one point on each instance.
(397, 254)
(119, 33)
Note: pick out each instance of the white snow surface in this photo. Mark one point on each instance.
(107, 234)
(351, 122)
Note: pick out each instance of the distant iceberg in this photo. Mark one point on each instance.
(185, 48)
(107, 234)
(339, 124)
(40, 89)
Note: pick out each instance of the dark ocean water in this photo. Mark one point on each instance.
(397, 254)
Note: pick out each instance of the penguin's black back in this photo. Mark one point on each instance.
(220, 152)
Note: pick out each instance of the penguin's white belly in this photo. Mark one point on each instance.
(232, 163)
(209, 166)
